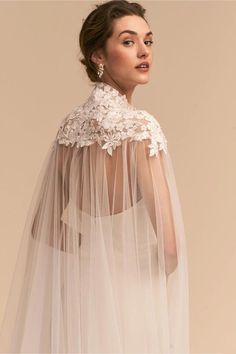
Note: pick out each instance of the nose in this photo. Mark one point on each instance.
(143, 50)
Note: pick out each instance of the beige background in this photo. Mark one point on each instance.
(192, 95)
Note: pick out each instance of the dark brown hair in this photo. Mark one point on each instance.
(98, 27)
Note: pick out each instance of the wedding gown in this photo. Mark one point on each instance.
(102, 265)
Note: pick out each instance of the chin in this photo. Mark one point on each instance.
(143, 80)
(134, 81)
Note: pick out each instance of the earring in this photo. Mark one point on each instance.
(100, 70)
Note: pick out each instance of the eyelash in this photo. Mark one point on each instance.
(132, 41)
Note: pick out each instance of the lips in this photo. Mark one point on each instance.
(143, 64)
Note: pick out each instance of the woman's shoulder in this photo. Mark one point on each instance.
(110, 127)
(138, 125)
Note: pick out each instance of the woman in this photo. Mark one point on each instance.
(102, 266)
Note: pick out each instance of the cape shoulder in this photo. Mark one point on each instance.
(109, 129)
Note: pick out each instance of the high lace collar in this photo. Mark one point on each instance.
(105, 93)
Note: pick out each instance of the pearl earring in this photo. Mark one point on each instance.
(100, 70)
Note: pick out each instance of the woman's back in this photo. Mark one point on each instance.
(102, 265)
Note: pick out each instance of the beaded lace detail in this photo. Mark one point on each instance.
(108, 118)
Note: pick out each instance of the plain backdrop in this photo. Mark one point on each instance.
(191, 93)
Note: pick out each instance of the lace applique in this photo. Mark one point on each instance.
(107, 118)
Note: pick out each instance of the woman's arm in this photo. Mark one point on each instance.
(154, 189)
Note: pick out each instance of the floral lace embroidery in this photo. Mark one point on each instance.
(107, 118)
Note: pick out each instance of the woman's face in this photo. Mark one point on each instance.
(124, 51)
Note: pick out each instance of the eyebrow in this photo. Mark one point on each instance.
(133, 32)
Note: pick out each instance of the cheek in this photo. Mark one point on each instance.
(121, 58)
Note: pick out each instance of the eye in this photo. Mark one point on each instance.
(151, 42)
(128, 41)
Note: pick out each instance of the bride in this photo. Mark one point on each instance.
(102, 265)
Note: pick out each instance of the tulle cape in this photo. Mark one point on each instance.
(102, 264)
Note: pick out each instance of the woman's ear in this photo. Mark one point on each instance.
(97, 57)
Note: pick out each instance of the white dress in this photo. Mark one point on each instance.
(102, 265)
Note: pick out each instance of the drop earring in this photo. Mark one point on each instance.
(100, 70)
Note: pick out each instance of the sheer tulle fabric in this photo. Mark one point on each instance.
(102, 265)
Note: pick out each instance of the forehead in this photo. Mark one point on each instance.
(131, 22)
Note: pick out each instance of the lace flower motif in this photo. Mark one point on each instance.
(107, 118)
